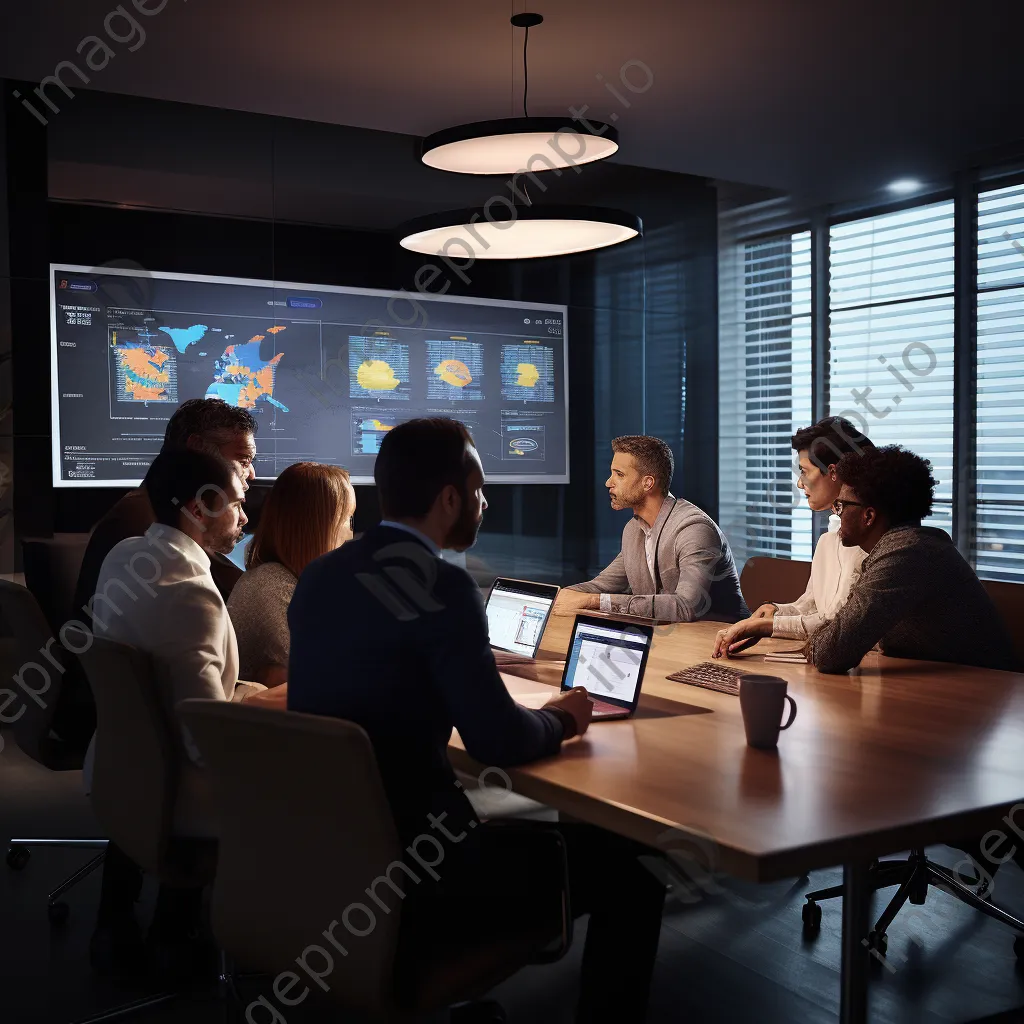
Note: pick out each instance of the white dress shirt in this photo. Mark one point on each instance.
(834, 571)
(650, 550)
(155, 592)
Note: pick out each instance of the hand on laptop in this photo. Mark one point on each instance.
(576, 703)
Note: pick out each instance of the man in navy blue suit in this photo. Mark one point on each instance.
(386, 634)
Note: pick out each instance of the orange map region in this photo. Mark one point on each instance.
(274, 330)
(141, 362)
(454, 372)
(256, 337)
(260, 382)
(143, 392)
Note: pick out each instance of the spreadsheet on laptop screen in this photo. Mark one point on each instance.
(515, 621)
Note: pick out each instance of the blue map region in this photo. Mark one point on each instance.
(145, 382)
(185, 336)
(247, 355)
(243, 386)
(152, 362)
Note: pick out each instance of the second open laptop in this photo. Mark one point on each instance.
(517, 612)
(609, 658)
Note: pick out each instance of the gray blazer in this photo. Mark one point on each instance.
(696, 572)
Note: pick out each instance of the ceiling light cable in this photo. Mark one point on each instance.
(526, 72)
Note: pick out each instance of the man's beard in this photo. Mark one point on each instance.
(225, 545)
(463, 533)
(628, 500)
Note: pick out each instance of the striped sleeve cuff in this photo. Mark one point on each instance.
(789, 627)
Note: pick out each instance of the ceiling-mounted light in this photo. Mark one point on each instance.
(512, 144)
(902, 186)
(519, 232)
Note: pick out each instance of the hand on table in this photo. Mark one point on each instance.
(578, 704)
(569, 602)
(741, 635)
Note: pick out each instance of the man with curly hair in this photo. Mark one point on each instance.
(916, 597)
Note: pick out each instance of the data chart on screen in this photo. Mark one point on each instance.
(325, 371)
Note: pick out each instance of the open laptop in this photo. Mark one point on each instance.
(517, 612)
(608, 658)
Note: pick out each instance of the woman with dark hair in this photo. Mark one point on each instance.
(307, 513)
(834, 568)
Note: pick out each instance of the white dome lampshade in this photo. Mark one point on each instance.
(513, 144)
(521, 232)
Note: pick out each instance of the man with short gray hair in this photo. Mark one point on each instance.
(675, 563)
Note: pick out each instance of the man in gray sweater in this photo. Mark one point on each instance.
(675, 563)
(916, 596)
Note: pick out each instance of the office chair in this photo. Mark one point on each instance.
(135, 782)
(913, 876)
(25, 635)
(315, 781)
(767, 579)
(917, 872)
(51, 566)
(1009, 601)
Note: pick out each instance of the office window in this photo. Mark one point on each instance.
(764, 394)
(999, 529)
(891, 335)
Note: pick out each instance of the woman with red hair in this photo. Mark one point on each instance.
(307, 513)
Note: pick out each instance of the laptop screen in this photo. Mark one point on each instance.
(517, 612)
(608, 658)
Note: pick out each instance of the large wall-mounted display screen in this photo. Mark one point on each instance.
(327, 371)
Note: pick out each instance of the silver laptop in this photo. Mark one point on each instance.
(517, 612)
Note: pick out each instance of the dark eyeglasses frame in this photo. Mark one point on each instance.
(838, 505)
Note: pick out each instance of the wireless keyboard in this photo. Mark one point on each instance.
(711, 677)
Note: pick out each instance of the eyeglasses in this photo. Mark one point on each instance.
(838, 506)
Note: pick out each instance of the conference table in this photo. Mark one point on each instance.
(894, 755)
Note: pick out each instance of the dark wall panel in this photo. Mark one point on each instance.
(642, 320)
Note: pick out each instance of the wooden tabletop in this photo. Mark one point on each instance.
(898, 753)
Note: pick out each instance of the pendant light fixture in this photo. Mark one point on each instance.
(503, 228)
(511, 144)
(519, 232)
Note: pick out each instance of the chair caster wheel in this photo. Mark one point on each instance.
(810, 914)
(57, 913)
(878, 942)
(18, 857)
